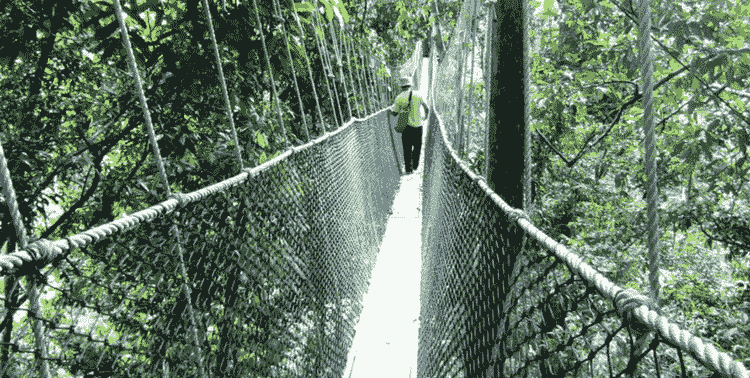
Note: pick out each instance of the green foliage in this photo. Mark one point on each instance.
(74, 136)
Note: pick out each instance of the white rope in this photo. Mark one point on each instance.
(647, 70)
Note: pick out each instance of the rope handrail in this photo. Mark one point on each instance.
(43, 251)
(259, 254)
(631, 304)
(628, 302)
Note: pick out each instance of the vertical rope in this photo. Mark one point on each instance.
(647, 69)
(353, 73)
(526, 109)
(35, 298)
(366, 83)
(309, 72)
(270, 73)
(277, 10)
(323, 63)
(466, 143)
(340, 63)
(347, 43)
(491, 24)
(358, 75)
(157, 156)
(459, 131)
(328, 66)
(224, 91)
(379, 84)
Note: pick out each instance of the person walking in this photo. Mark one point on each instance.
(406, 106)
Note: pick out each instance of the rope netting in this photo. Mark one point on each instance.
(559, 316)
(261, 274)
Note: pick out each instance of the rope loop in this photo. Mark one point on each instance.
(627, 300)
(516, 214)
(42, 251)
(251, 172)
(182, 199)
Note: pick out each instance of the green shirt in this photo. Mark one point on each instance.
(402, 101)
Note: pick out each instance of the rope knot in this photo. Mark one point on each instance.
(182, 199)
(627, 300)
(42, 252)
(516, 214)
(251, 172)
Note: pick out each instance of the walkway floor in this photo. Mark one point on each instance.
(386, 339)
(385, 343)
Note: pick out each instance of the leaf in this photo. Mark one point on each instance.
(261, 139)
(342, 9)
(329, 10)
(303, 7)
(695, 84)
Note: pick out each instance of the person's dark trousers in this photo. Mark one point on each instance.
(411, 138)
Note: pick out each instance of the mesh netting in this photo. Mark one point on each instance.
(490, 309)
(560, 316)
(277, 262)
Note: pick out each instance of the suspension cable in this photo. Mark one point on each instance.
(35, 284)
(157, 156)
(490, 34)
(345, 43)
(647, 70)
(329, 65)
(375, 84)
(323, 63)
(465, 141)
(356, 74)
(224, 91)
(340, 63)
(527, 14)
(458, 132)
(309, 71)
(365, 83)
(277, 8)
(270, 73)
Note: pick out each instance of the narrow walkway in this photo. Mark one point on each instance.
(386, 339)
(385, 343)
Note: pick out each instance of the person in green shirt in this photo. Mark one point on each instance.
(411, 138)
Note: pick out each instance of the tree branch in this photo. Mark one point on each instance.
(552, 147)
(69, 213)
(705, 85)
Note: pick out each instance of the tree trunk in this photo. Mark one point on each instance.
(505, 175)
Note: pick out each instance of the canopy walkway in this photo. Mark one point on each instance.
(326, 261)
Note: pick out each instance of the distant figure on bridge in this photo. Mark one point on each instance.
(412, 135)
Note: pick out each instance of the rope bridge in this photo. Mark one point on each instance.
(262, 274)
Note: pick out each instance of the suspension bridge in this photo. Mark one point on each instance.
(327, 261)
